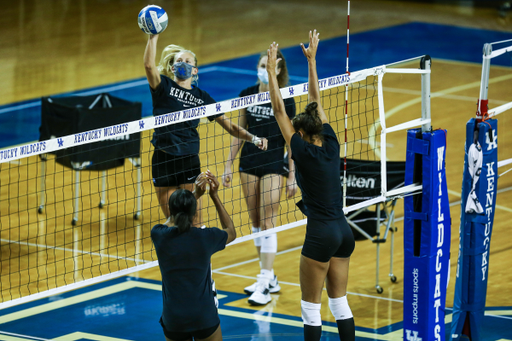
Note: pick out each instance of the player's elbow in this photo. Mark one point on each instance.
(231, 234)
(149, 67)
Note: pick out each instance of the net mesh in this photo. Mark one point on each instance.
(57, 234)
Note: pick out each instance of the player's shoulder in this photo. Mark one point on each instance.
(328, 130)
(162, 229)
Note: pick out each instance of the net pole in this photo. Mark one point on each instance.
(481, 110)
(346, 114)
(425, 92)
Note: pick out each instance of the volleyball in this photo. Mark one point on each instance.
(152, 19)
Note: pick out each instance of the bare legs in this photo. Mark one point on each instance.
(163, 194)
(262, 197)
(312, 277)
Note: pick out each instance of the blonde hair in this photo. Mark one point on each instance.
(167, 60)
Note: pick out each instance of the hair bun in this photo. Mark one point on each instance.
(311, 109)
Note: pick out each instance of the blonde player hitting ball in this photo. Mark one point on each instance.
(175, 162)
(262, 176)
(329, 240)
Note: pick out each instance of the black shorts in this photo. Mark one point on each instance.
(328, 238)
(260, 170)
(171, 171)
(199, 334)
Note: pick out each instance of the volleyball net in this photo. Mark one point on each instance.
(68, 222)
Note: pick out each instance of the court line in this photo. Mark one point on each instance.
(65, 302)
(133, 84)
(402, 106)
(298, 285)
(501, 207)
(256, 259)
(19, 337)
(220, 272)
(455, 97)
(42, 246)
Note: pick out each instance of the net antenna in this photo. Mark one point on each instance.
(346, 113)
(483, 112)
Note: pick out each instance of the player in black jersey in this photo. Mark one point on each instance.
(261, 174)
(184, 251)
(175, 162)
(329, 240)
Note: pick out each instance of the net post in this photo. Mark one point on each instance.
(481, 110)
(383, 142)
(425, 64)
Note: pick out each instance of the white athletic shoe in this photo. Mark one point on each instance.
(261, 294)
(215, 299)
(273, 287)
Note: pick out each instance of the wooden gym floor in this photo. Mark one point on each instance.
(55, 47)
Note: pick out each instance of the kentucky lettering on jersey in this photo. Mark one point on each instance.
(185, 97)
(172, 103)
(260, 111)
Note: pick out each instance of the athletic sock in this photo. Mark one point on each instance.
(346, 329)
(312, 333)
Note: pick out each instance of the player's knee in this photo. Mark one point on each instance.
(340, 308)
(257, 240)
(269, 243)
(311, 313)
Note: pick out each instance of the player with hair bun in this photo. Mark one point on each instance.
(175, 162)
(184, 250)
(329, 240)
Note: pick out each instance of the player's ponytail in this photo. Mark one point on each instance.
(183, 206)
(309, 121)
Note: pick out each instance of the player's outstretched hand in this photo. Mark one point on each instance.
(310, 51)
(272, 60)
(200, 185)
(291, 187)
(227, 177)
(213, 182)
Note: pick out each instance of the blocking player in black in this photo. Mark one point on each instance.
(329, 240)
(261, 175)
(184, 251)
(175, 162)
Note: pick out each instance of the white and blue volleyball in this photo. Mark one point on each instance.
(153, 19)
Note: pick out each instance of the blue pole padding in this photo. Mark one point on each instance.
(427, 231)
(479, 189)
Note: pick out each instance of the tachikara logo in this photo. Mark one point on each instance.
(359, 182)
(413, 337)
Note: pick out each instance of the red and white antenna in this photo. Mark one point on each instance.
(346, 114)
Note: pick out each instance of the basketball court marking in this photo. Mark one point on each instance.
(103, 255)
(458, 194)
(237, 313)
(407, 104)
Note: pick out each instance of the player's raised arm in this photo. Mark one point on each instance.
(275, 95)
(225, 220)
(152, 72)
(313, 89)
